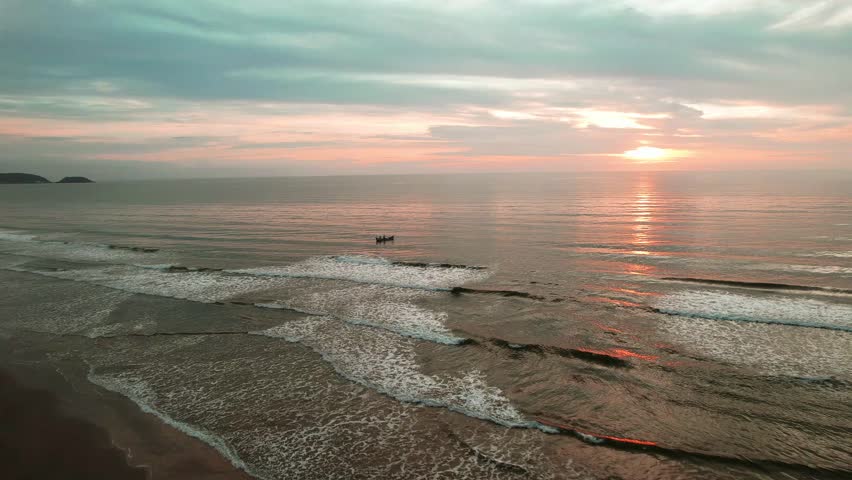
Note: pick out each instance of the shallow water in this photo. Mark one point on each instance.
(526, 326)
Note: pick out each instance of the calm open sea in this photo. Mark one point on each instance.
(646, 325)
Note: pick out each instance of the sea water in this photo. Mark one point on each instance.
(642, 325)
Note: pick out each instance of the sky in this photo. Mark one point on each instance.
(116, 89)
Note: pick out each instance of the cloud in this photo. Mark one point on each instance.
(314, 80)
(826, 14)
(377, 52)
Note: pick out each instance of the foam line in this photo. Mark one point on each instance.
(198, 286)
(372, 271)
(386, 364)
(817, 269)
(713, 305)
(391, 309)
(143, 398)
(15, 236)
(758, 285)
(25, 244)
(845, 254)
(370, 305)
(445, 339)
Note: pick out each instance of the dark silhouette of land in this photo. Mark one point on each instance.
(30, 178)
(75, 180)
(22, 178)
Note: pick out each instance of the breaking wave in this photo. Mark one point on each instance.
(713, 305)
(375, 305)
(817, 269)
(372, 271)
(20, 243)
(198, 286)
(760, 285)
(386, 363)
(385, 308)
(846, 254)
(139, 393)
(15, 236)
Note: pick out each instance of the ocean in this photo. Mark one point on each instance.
(587, 326)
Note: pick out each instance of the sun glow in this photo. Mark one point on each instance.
(648, 154)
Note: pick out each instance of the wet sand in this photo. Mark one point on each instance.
(53, 426)
(37, 440)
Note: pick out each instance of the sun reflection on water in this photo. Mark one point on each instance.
(643, 212)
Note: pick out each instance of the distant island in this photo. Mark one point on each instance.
(30, 178)
(21, 178)
(75, 180)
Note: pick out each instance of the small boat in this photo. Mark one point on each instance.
(383, 239)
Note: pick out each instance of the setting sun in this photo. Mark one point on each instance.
(647, 154)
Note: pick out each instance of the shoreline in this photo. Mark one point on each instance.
(38, 440)
(57, 424)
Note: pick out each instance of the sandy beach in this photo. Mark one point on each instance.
(56, 426)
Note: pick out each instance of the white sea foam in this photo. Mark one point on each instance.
(27, 245)
(846, 254)
(819, 269)
(82, 311)
(718, 305)
(204, 287)
(284, 413)
(15, 236)
(589, 438)
(376, 306)
(10, 261)
(362, 259)
(377, 271)
(138, 391)
(386, 363)
(377, 357)
(811, 352)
